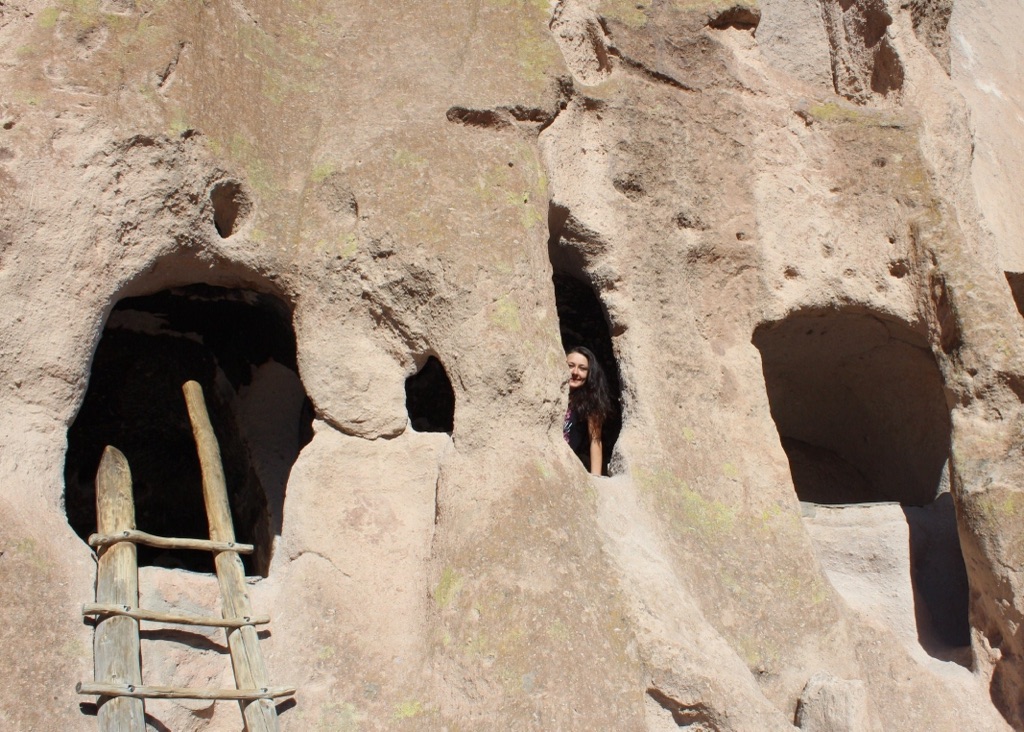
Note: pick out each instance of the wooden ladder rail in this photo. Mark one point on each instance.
(118, 669)
(116, 646)
(260, 714)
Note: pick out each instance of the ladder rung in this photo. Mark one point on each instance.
(96, 608)
(97, 541)
(139, 691)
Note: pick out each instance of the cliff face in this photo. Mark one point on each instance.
(789, 230)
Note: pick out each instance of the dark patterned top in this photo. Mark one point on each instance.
(577, 436)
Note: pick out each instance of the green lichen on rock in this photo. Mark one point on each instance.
(322, 171)
(758, 652)
(690, 511)
(505, 315)
(48, 17)
(408, 709)
(177, 123)
(834, 112)
(519, 185)
(408, 159)
(631, 14)
(525, 40)
(241, 150)
(447, 588)
(288, 60)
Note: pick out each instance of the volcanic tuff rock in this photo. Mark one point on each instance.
(788, 227)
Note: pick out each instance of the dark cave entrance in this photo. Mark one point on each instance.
(1016, 282)
(861, 411)
(859, 405)
(582, 322)
(430, 399)
(239, 345)
(231, 206)
(582, 317)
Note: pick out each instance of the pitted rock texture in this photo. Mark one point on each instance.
(794, 222)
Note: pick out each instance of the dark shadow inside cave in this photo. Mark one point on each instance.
(861, 411)
(430, 399)
(859, 405)
(1016, 282)
(239, 345)
(939, 577)
(583, 319)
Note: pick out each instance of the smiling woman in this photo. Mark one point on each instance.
(582, 320)
(590, 406)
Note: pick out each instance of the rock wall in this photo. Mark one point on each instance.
(798, 219)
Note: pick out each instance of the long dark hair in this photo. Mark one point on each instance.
(592, 399)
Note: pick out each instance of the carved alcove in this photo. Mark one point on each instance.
(239, 345)
(862, 415)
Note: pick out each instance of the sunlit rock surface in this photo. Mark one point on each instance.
(790, 228)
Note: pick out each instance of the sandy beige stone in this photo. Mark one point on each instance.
(404, 178)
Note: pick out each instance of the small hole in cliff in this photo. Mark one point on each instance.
(630, 186)
(950, 338)
(582, 322)
(887, 72)
(899, 268)
(487, 118)
(231, 205)
(430, 399)
(738, 17)
(239, 345)
(1016, 282)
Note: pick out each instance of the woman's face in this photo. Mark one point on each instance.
(579, 367)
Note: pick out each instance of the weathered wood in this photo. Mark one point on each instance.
(157, 617)
(243, 643)
(177, 692)
(116, 639)
(163, 542)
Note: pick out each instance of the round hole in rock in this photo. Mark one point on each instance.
(429, 399)
(859, 405)
(230, 206)
(582, 322)
(239, 345)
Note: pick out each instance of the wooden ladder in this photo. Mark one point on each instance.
(116, 645)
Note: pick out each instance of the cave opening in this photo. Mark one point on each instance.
(582, 316)
(240, 346)
(430, 399)
(582, 322)
(231, 205)
(1016, 282)
(859, 405)
(862, 415)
